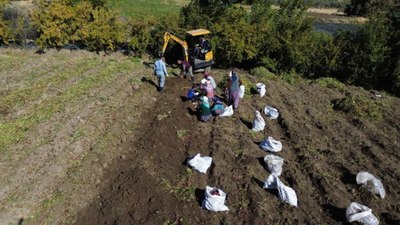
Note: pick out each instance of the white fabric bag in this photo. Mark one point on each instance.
(199, 163)
(361, 214)
(286, 194)
(274, 164)
(271, 112)
(371, 182)
(228, 111)
(258, 122)
(214, 200)
(261, 89)
(241, 94)
(271, 145)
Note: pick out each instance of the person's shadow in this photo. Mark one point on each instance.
(145, 80)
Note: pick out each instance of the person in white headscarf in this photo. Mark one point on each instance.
(205, 111)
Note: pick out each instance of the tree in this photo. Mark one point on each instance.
(5, 31)
(364, 7)
(365, 53)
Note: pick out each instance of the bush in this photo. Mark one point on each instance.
(263, 73)
(20, 22)
(360, 107)
(5, 31)
(140, 35)
(290, 77)
(53, 21)
(329, 82)
(100, 29)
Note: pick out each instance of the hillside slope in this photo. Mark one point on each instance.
(323, 151)
(86, 139)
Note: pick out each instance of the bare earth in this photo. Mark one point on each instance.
(115, 154)
(323, 152)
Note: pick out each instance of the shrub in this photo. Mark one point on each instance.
(290, 77)
(140, 35)
(360, 107)
(5, 31)
(329, 82)
(263, 73)
(101, 30)
(53, 21)
(20, 22)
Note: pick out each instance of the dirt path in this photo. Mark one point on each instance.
(323, 152)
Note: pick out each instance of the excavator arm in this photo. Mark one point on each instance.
(168, 36)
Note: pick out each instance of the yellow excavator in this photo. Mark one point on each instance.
(196, 48)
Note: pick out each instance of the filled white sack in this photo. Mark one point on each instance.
(271, 145)
(199, 163)
(214, 202)
(274, 164)
(258, 122)
(271, 112)
(228, 111)
(241, 94)
(286, 194)
(371, 182)
(361, 214)
(261, 89)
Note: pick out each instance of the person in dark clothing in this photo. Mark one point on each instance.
(186, 69)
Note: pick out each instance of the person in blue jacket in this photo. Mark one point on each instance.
(160, 70)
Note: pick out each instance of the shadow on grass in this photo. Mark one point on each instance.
(248, 124)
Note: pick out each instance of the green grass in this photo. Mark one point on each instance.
(13, 129)
(149, 8)
(184, 190)
(332, 83)
(361, 107)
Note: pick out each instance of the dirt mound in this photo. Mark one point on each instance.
(323, 152)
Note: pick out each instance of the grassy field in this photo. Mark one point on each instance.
(150, 8)
(57, 114)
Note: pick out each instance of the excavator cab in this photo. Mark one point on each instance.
(196, 48)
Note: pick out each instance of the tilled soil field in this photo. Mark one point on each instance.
(323, 150)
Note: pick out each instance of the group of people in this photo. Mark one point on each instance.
(205, 92)
(210, 104)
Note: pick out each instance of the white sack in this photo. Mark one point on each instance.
(214, 202)
(199, 163)
(361, 214)
(286, 194)
(241, 94)
(271, 112)
(258, 122)
(261, 89)
(228, 111)
(271, 145)
(274, 164)
(371, 182)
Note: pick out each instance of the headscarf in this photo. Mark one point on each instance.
(204, 100)
(233, 77)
